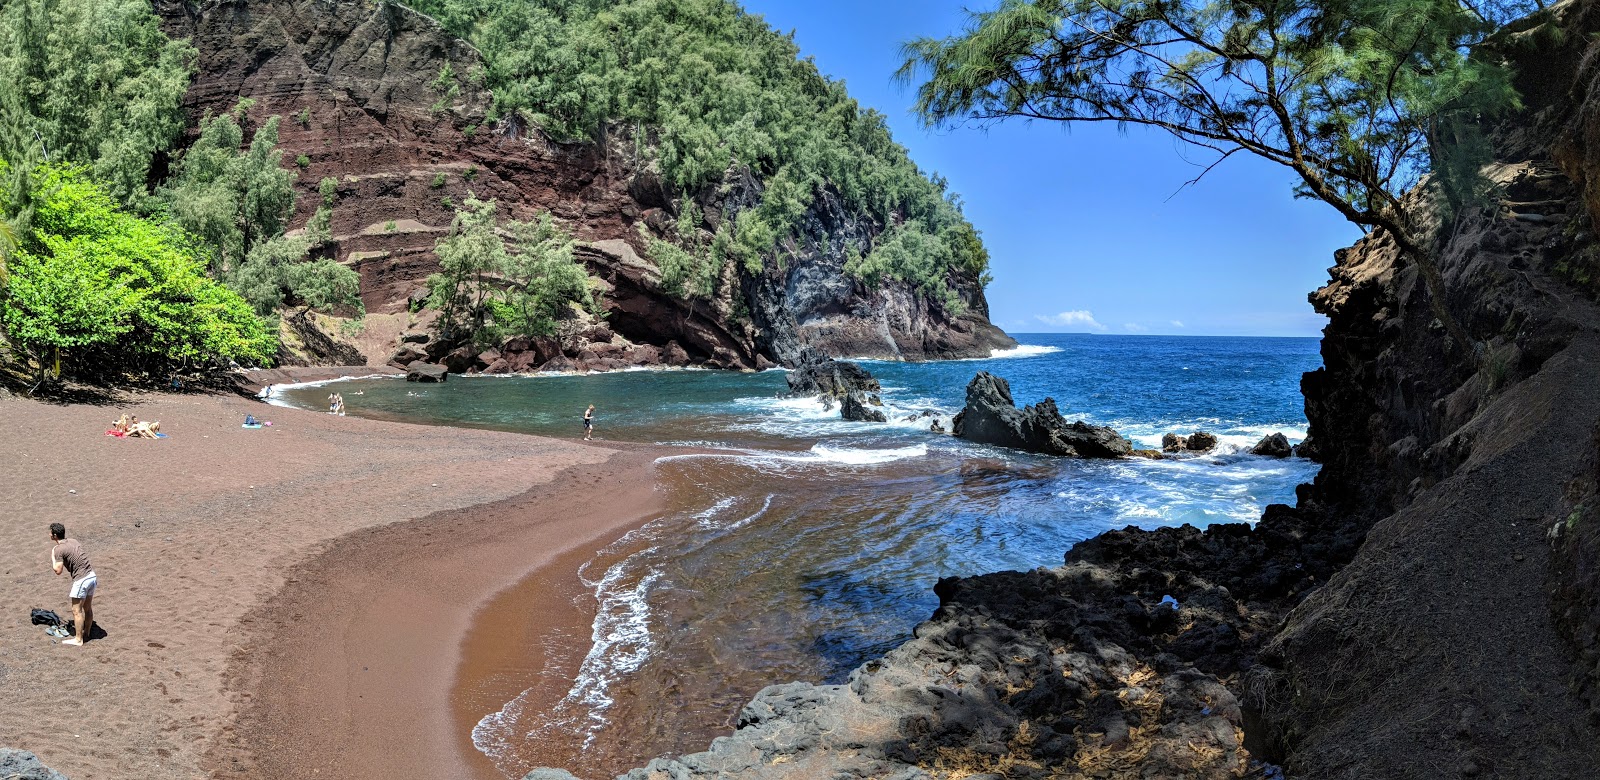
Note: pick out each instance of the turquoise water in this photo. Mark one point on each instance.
(815, 545)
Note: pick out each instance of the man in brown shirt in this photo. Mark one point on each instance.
(68, 556)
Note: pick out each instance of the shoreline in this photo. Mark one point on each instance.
(196, 535)
(415, 664)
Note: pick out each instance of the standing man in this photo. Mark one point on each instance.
(68, 556)
(588, 422)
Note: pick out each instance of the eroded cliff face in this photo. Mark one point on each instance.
(1430, 608)
(358, 84)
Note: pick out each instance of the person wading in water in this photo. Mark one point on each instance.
(67, 556)
(588, 422)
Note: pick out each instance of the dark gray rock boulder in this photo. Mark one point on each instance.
(1273, 446)
(22, 765)
(820, 375)
(1199, 441)
(991, 417)
(408, 353)
(426, 372)
(1308, 449)
(854, 407)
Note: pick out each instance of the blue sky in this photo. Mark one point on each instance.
(1090, 230)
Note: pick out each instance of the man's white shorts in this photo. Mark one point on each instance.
(82, 589)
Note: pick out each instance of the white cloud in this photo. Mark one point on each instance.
(1177, 323)
(1081, 318)
(1134, 327)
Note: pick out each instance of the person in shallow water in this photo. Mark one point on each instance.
(67, 556)
(588, 422)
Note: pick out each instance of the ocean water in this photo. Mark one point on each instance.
(813, 545)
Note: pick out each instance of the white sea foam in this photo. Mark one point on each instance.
(1023, 351)
(706, 518)
(864, 457)
(276, 391)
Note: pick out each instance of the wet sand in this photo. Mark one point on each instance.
(283, 602)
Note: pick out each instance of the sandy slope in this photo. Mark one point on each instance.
(190, 535)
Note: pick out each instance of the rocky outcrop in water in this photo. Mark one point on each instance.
(354, 81)
(1273, 445)
(992, 417)
(818, 374)
(22, 765)
(857, 407)
(1199, 441)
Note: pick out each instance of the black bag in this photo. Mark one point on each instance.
(44, 617)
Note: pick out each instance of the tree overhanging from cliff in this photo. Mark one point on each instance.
(1359, 98)
(708, 88)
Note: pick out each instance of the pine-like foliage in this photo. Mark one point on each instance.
(499, 280)
(1359, 98)
(93, 82)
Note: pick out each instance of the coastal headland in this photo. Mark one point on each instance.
(276, 600)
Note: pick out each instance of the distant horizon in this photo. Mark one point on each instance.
(1017, 334)
(1095, 229)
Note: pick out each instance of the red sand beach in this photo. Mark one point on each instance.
(292, 601)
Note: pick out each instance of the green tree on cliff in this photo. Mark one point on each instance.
(230, 195)
(1359, 98)
(708, 92)
(500, 280)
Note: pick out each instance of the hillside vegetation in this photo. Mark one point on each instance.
(708, 88)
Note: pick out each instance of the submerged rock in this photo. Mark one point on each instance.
(854, 406)
(991, 417)
(818, 374)
(22, 765)
(426, 372)
(1273, 446)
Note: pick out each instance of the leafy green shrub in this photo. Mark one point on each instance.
(389, 227)
(302, 161)
(304, 117)
(471, 173)
(438, 180)
(95, 290)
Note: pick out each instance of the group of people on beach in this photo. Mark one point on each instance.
(131, 425)
(336, 404)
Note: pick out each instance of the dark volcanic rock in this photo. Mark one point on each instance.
(818, 374)
(408, 353)
(991, 417)
(1199, 441)
(1307, 448)
(851, 407)
(426, 372)
(1274, 445)
(22, 765)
